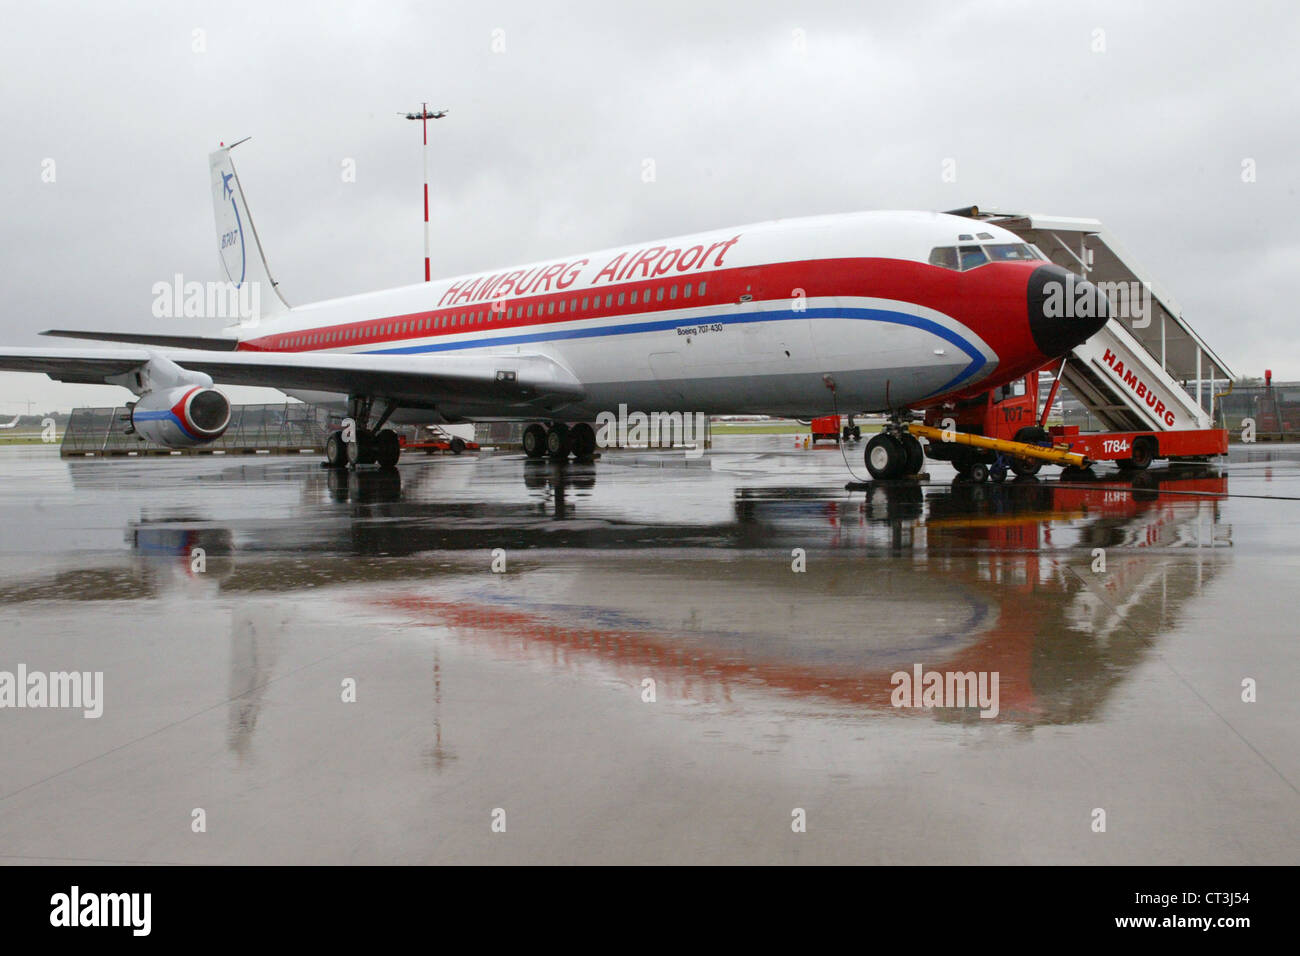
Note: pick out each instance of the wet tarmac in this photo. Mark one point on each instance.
(520, 699)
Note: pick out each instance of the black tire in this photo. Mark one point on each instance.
(388, 448)
(336, 450)
(583, 437)
(978, 472)
(559, 442)
(362, 450)
(1143, 455)
(915, 455)
(885, 457)
(857, 433)
(534, 441)
(457, 445)
(1029, 435)
(846, 433)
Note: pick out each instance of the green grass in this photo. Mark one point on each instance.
(771, 428)
(27, 439)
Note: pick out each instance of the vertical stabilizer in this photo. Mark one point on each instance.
(242, 260)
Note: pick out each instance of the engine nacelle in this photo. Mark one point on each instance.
(181, 417)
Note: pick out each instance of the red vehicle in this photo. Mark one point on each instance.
(438, 440)
(827, 428)
(1011, 413)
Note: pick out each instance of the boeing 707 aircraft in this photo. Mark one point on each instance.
(870, 311)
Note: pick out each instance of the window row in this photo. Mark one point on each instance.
(496, 313)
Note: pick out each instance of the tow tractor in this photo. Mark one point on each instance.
(985, 436)
(438, 439)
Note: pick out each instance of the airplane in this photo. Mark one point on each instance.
(880, 312)
(12, 424)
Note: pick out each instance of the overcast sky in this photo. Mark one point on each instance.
(542, 154)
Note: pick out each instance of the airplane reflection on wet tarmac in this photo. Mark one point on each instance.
(988, 578)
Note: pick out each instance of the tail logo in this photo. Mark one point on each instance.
(234, 238)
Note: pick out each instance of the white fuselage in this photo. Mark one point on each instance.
(745, 320)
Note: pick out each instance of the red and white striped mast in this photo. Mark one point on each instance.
(424, 116)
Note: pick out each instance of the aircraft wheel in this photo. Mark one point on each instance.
(885, 457)
(361, 451)
(336, 451)
(915, 455)
(583, 437)
(457, 445)
(857, 433)
(534, 441)
(387, 448)
(559, 442)
(978, 472)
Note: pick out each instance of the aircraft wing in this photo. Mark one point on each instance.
(529, 381)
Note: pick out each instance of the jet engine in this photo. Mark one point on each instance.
(177, 407)
(181, 417)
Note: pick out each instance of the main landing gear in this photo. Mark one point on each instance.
(371, 444)
(894, 453)
(558, 440)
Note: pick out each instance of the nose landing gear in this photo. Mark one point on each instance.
(894, 453)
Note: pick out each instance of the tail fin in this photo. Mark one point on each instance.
(242, 259)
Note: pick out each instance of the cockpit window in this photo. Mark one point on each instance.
(1009, 251)
(965, 257)
(945, 256)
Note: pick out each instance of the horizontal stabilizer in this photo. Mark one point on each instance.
(207, 343)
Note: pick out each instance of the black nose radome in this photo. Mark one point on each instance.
(1064, 310)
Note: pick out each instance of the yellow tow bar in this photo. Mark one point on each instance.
(1055, 455)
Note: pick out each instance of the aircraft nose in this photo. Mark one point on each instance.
(1064, 310)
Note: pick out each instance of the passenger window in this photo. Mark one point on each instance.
(686, 292)
(972, 257)
(703, 286)
(562, 303)
(609, 300)
(530, 310)
(620, 298)
(672, 292)
(550, 308)
(584, 303)
(659, 294)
